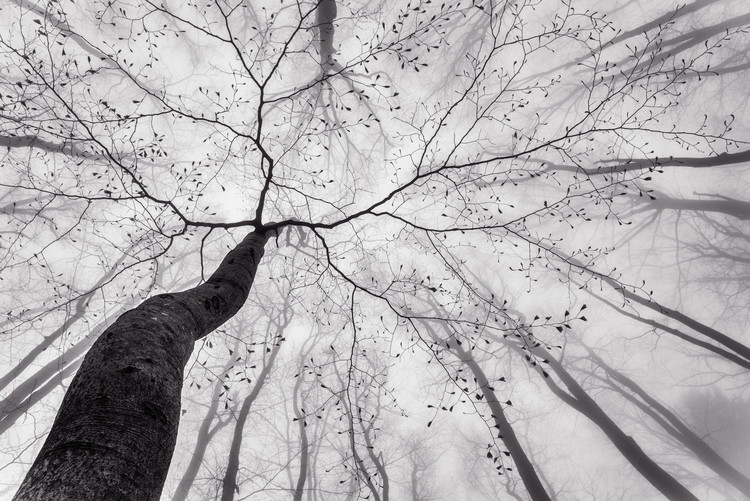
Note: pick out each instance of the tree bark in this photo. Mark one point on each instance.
(115, 432)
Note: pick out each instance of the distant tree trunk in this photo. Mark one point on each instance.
(79, 312)
(304, 448)
(360, 467)
(728, 342)
(377, 460)
(414, 478)
(229, 484)
(326, 15)
(524, 466)
(673, 425)
(628, 447)
(12, 411)
(115, 432)
(205, 433)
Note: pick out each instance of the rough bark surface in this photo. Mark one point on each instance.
(115, 432)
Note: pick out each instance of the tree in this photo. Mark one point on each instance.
(427, 190)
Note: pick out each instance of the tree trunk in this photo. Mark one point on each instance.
(229, 484)
(45, 380)
(525, 468)
(628, 447)
(115, 432)
(304, 449)
(673, 425)
(205, 434)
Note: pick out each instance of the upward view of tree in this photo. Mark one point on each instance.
(313, 250)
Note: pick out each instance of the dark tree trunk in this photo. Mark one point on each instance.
(115, 432)
(524, 466)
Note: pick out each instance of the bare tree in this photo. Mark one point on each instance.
(346, 164)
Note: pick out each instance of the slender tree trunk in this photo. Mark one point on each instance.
(205, 434)
(360, 467)
(377, 460)
(728, 342)
(583, 403)
(525, 468)
(46, 379)
(304, 448)
(523, 464)
(414, 481)
(12, 412)
(229, 484)
(677, 428)
(115, 432)
(80, 311)
(718, 350)
(711, 333)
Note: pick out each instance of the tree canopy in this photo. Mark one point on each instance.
(507, 241)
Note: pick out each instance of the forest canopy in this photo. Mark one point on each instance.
(375, 250)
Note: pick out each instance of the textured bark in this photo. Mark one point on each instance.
(115, 432)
